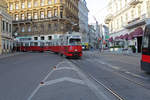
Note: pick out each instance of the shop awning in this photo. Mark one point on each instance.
(116, 38)
(138, 32)
(130, 37)
(110, 39)
(121, 37)
(126, 36)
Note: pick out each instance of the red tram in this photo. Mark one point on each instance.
(145, 62)
(68, 45)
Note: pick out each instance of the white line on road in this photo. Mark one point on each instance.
(91, 85)
(38, 87)
(64, 79)
(125, 71)
(136, 75)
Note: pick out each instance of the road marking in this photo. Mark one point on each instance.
(111, 91)
(39, 86)
(64, 79)
(127, 72)
(68, 68)
(91, 85)
(136, 75)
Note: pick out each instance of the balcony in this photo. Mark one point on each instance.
(108, 18)
(134, 2)
(136, 22)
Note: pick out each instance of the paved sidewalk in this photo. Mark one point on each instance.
(96, 52)
(10, 54)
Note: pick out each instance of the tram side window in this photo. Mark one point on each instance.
(22, 44)
(35, 38)
(35, 43)
(146, 38)
(26, 44)
(41, 44)
(49, 37)
(42, 38)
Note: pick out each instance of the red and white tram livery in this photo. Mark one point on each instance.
(68, 45)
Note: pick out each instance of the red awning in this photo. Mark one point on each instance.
(130, 37)
(110, 39)
(138, 32)
(121, 37)
(116, 38)
(126, 36)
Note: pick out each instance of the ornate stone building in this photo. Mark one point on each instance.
(6, 41)
(83, 19)
(43, 17)
(126, 20)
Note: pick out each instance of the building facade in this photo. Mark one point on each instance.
(43, 17)
(92, 36)
(104, 31)
(83, 19)
(126, 20)
(6, 40)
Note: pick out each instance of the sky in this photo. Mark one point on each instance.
(97, 9)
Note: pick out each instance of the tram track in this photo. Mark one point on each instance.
(115, 94)
(117, 72)
(128, 73)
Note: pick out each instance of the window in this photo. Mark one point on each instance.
(29, 4)
(139, 10)
(23, 5)
(61, 1)
(132, 14)
(35, 44)
(55, 12)
(42, 14)
(29, 15)
(36, 3)
(22, 16)
(17, 6)
(42, 38)
(29, 28)
(49, 37)
(16, 17)
(126, 17)
(61, 14)
(49, 2)
(10, 28)
(49, 26)
(11, 7)
(55, 1)
(3, 26)
(35, 16)
(7, 26)
(42, 2)
(22, 29)
(49, 14)
(146, 38)
(35, 38)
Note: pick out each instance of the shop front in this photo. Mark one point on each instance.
(135, 39)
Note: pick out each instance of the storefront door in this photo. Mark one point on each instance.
(139, 41)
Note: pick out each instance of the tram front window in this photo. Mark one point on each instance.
(145, 42)
(75, 41)
(146, 38)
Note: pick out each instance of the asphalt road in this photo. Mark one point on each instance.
(120, 74)
(20, 75)
(94, 77)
